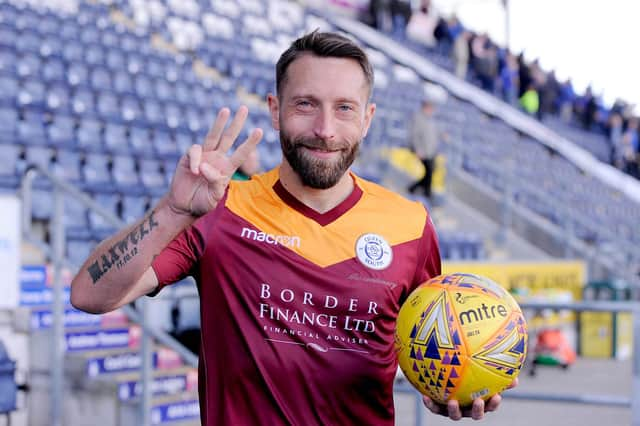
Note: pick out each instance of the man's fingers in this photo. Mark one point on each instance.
(477, 409)
(242, 152)
(493, 402)
(210, 173)
(195, 157)
(513, 384)
(212, 139)
(433, 406)
(232, 132)
(453, 409)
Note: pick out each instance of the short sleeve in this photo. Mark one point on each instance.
(178, 259)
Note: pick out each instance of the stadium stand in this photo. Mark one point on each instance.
(108, 95)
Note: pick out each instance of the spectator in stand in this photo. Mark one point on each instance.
(484, 61)
(509, 79)
(424, 141)
(422, 24)
(524, 75)
(460, 54)
(443, 36)
(566, 98)
(380, 15)
(549, 92)
(400, 15)
(530, 101)
(615, 139)
(630, 149)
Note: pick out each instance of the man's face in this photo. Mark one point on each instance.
(322, 115)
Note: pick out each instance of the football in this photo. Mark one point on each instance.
(460, 336)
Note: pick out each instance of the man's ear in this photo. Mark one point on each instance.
(368, 117)
(274, 110)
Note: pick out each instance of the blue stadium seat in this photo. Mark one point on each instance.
(133, 208)
(144, 86)
(115, 60)
(89, 134)
(77, 250)
(100, 79)
(61, 131)
(68, 165)
(8, 59)
(83, 103)
(77, 73)
(130, 109)
(115, 138)
(28, 41)
(164, 144)
(152, 177)
(122, 82)
(184, 140)
(31, 129)
(140, 140)
(9, 166)
(9, 120)
(32, 93)
(41, 204)
(58, 98)
(164, 90)
(153, 112)
(107, 106)
(100, 228)
(8, 90)
(125, 175)
(29, 66)
(53, 70)
(73, 51)
(95, 172)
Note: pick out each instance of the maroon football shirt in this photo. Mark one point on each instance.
(298, 308)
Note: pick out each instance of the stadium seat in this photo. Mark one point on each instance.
(100, 227)
(61, 131)
(140, 140)
(77, 73)
(53, 70)
(89, 134)
(29, 66)
(67, 166)
(133, 208)
(83, 102)
(152, 177)
(31, 129)
(9, 120)
(95, 172)
(125, 175)
(9, 166)
(115, 138)
(58, 99)
(32, 93)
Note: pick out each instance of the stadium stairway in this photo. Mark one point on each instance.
(102, 372)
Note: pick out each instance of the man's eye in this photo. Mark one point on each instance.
(345, 108)
(303, 103)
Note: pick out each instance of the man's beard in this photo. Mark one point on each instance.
(314, 172)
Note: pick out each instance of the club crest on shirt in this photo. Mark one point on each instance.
(373, 251)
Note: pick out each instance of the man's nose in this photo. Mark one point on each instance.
(324, 126)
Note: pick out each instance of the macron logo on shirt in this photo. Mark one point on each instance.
(276, 240)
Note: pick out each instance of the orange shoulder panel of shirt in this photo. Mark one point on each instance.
(379, 211)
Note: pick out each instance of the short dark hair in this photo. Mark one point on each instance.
(323, 44)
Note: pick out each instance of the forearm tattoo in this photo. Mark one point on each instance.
(123, 251)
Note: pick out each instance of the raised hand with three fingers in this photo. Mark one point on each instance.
(203, 173)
